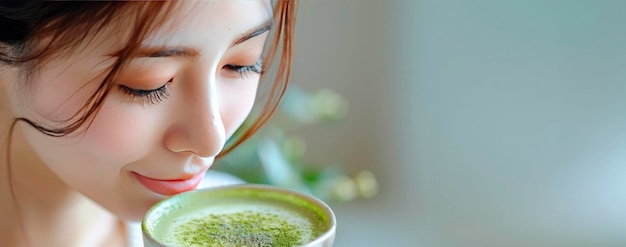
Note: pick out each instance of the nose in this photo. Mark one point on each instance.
(198, 127)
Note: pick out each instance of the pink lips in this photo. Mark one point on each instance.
(169, 187)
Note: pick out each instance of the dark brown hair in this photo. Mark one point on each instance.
(33, 32)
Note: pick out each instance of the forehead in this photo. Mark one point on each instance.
(202, 23)
(206, 24)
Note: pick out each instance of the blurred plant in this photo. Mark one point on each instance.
(274, 156)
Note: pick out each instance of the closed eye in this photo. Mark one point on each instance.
(151, 96)
(244, 71)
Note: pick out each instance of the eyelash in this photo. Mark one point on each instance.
(155, 96)
(244, 71)
(152, 96)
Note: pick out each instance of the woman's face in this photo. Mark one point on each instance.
(168, 115)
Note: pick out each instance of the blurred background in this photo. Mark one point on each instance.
(474, 123)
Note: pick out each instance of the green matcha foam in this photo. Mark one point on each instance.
(238, 217)
(237, 225)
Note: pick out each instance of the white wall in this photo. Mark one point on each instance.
(489, 123)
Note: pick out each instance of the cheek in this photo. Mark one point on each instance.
(237, 102)
(92, 162)
(118, 136)
(122, 133)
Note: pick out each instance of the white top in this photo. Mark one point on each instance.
(211, 179)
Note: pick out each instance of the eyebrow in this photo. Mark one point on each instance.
(266, 26)
(186, 51)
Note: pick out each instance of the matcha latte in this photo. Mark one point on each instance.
(240, 215)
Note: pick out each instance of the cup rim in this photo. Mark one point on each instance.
(328, 235)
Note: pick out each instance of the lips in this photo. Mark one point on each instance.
(169, 187)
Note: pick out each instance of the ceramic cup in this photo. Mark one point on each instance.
(240, 215)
